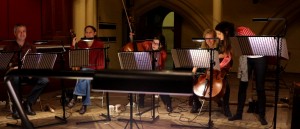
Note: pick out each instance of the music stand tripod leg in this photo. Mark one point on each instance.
(63, 103)
(63, 91)
(131, 120)
(154, 118)
(211, 65)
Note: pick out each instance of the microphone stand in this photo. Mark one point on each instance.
(131, 120)
(153, 63)
(211, 51)
(278, 49)
(107, 93)
(63, 91)
(278, 54)
(107, 117)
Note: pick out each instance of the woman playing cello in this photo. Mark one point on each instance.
(223, 31)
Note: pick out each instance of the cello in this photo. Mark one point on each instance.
(140, 46)
(215, 88)
(202, 86)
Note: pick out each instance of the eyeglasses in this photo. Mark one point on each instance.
(154, 43)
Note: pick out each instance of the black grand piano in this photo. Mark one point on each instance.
(149, 82)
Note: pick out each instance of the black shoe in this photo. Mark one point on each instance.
(71, 103)
(256, 108)
(195, 108)
(235, 117)
(191, 101)
(82, 110)
(227, 112)
(251, 107)
(263, 121)
(141, 103)
(15, 115)
(28, 109)
(169, 108)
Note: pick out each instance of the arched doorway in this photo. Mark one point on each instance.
(168, 30)
(151, 23)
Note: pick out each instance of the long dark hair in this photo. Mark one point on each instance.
(227, 28)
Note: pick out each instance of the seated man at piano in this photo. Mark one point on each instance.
(96, 61)
(158, 44)
(224, 50)
(22, 47)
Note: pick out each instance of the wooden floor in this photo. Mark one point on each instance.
(179, 116)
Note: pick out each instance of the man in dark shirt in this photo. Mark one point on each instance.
(21, 48)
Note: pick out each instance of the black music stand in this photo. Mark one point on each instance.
(33, 61)
(200, 58)
(80, 58)
(62, 67)
(138, 61)
(153, 64)
(5, 59)
(264, 46)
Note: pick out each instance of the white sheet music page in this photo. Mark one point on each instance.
(267, 46)
(189, 58)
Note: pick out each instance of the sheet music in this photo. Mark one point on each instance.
(84, 57)
(189, 58)
(135, 60)
(39, 61)
(79, 57)
(258, 45)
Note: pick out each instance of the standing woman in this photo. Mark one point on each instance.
(257, 65)
(225, 30)
(96, 61)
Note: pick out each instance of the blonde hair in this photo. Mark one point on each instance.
(209, 31)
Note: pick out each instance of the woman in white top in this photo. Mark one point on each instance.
(256, 64)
